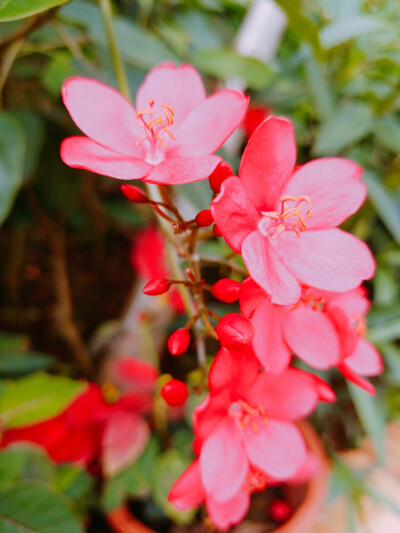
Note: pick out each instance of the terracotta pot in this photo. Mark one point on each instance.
(307, 509)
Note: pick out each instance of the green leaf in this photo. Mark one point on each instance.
(345, 29)
(225, 63)
(12, 154)
(387, 132)
(34, 130)
(371, 417)
(19, 363)
(76, 483)
(33, 507)
(385, 203)
(36, 398)
(343, 128)
(18, 9)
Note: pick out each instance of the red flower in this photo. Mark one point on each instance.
(324, 329)
(168, 138)
(283, 220)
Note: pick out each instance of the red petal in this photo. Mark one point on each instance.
(223, 462)
(312, 336)
(102, 113)
(365, 360)
(229, 512)
(188, 491)
(81, 152)
(333, 185)
(268, 161)
(331, 259)
(277, 448)
(268, 270)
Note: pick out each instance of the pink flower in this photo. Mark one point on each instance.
(247, 421)
(283, 220)
(324, 329)
(168, 138)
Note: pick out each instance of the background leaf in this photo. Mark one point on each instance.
(17, 9)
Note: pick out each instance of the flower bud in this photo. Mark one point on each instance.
(216, 231)
(204, 218)
(157, 286)
(280, 511)
(234, 329)
(227, 290)
(134, 194)
(221, 172)
(179, 341)
(174, 392)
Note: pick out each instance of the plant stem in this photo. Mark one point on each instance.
(105, 6)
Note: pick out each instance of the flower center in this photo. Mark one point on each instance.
(256, 480)
(312, 298)
(246, 415)
(156, 127)
(360, 324)
(290, 217)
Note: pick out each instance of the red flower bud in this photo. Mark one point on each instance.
(179, 341)
(216, 231)
(227, 290)
(174, 392)
(157, 286)
(280, 510)
(204, 218)
(221, 172)
(234, 329)
(134, 194)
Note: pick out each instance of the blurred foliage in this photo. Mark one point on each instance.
(336, 75)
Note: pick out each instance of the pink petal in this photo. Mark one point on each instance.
(354, 302)
(210, 413)
(124, 439)
(102, 113)
(365, 360)
(223, 462)
(312, 337)
(268, 342)
(187, 491)
(136, 372)
(290, 395)
(234, 369)
(268, 161)
(277, 448)
(208, 125)
(81, 152)
(177, 170)
(251, 296)
(178, 87)
(233, 213)
(333, 185)
(352, 376)
(268, 270)
(327, 259)
(229, 512)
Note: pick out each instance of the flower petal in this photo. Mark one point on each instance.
(208, 125)
(229, 512)
(327, 259)
(102, 113)
(267, 269)
(278, 448)
(82, 152)
(268, 161)
(187, 491)
(355, 378)
(312, 337)
(177, 170)
(233, 213)
(290, 395)
(223, 462)
(251, 296)
(334, 188)
(233, 369)
(365, 360)
(268, 342)
(178, 87)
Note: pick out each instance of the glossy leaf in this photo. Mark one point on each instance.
(18, 9)
(33, 507)
(36, 398)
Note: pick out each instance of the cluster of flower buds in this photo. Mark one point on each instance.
(302, 297)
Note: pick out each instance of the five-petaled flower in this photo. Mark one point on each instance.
(283, 219)
(168, 138)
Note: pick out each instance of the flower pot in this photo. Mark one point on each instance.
(307, 499)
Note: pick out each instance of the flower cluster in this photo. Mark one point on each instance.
(303, 294)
